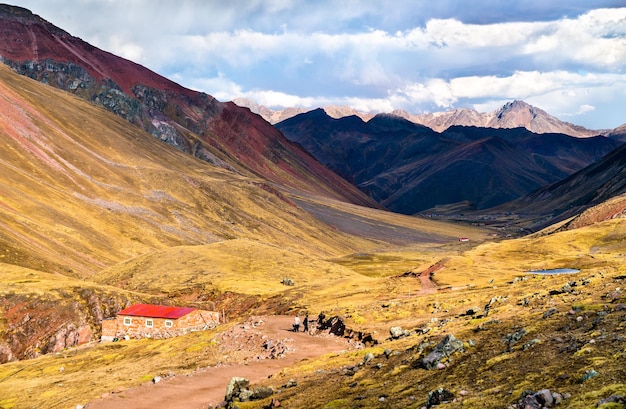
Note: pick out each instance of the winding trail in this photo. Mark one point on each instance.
(428, 286)
(208, 386)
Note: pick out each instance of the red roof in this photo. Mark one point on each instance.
(156, 311)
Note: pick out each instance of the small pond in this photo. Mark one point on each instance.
(556, 271)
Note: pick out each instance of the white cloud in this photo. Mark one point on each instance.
(585, 108)
(128, 50)
(410, 55)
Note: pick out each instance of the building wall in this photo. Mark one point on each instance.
(197, 320)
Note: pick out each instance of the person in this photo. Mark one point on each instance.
(306, 323)
(296, 324)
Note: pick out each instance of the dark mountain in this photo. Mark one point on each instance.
(220, 133)
(591, 186)
(410, 168)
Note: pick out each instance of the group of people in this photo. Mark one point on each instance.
(305, 323)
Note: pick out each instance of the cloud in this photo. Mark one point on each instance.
(412, 55)
(585, 108)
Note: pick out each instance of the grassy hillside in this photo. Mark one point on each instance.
(568, 325)
(97, 215)
(557, 332)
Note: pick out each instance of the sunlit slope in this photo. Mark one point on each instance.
(82, 189)
(590, 249)
(244, 268)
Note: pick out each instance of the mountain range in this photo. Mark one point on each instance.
(410, 168)
(514, 114)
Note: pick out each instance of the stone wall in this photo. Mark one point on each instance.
(137, 327)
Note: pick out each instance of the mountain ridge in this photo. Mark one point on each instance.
(513, 114)
(221, 133)
(410, 168)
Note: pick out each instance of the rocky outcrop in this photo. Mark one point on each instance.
(38, 325)
(449, 345)
(238, 391)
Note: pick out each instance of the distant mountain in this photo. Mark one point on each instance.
(266, 113)
(276, 116)
(410, 168)
(618, 133)
(220, 133)
(511, 115)
(514, 114)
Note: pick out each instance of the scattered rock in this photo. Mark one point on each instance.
(445, 348)
(287, 281)
(530, 343)
(512, 338)
(291, 383)
(539, 400)
(398, 332)
(549, 313)
(439, 396)
(237, 391)
(612, 399)
(367, 358)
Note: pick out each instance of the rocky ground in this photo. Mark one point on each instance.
(261, 345)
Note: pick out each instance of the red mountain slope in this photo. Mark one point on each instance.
(221, 133)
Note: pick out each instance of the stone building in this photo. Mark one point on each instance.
(157, 321)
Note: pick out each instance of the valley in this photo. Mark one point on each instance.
(119, 187)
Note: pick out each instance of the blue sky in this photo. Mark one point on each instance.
(567, 57)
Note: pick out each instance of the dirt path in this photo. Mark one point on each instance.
(207, 387)
(427, 285)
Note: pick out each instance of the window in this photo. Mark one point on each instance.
(128, 321)
(150, 323)
(169, 324)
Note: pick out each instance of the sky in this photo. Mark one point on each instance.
(567, 57)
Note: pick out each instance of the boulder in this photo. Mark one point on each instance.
(237, 390)
(396, 332)
(261, 393)
(449, 345)
(439, 396)
(234, 388)
(367, 358)
(539, 400)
